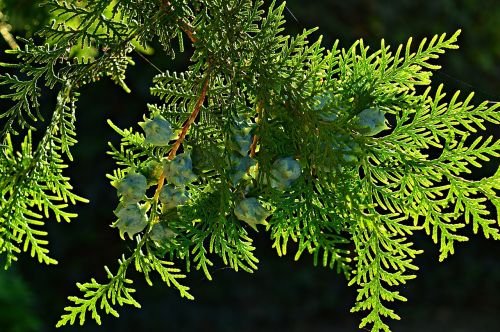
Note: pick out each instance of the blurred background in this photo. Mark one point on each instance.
(460, 295)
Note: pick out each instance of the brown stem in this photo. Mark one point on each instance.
(191, 119)
(255, 140)
(253, 147)
(185, 129)
(188, 30)
(161, 182)
(7, 36)
(186, 27)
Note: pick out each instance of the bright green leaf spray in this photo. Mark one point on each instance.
(262, 132)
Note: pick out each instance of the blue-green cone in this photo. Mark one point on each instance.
(351, 150)
(323, 103)
(132, 187)
(252, 212)
(171, 196)
(284, 172)
(241, 138)
(152, 170)
(239, 167)
(179, 171)
(371, 121)
(132, 219)
(158, 131)
(241, 144)
(161, 233)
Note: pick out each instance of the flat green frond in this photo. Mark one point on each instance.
(87, 26)
(312, 221)
(407, 68)
(34, 187)
(38, 64)
(342, 154)
(384, 261)
(97, 297)
(167, 273)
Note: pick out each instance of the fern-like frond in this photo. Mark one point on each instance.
(385, 259)
(117, 291)
(34, 187)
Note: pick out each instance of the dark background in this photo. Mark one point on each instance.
(461, 294)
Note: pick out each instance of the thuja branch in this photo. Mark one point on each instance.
(7, 36)
(192, 117)
(188, 30)
(186, 27)
(184, 131)
(118, 290)
(326, 200)
(253, 146)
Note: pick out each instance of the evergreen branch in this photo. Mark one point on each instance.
(186, 27)
(406, 70)
(129, 148)
(234, 247)
(253, 146)
(27, 92)
(86, 27)
(382, 262)
(5, 32)
(314, 223)
(168, 274)
(185, 129)
(329, 169)
(36, 180)
(205, 230)
(173, 88)
(101, 296)
(117, 289)
(473, 207)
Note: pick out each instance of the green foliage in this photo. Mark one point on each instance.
(325, 148)
(33, 186)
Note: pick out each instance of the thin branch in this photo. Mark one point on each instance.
(7, 36)
(191, 118)
(188, 30)
(253, 147)
(186, 27)
(185, 129)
